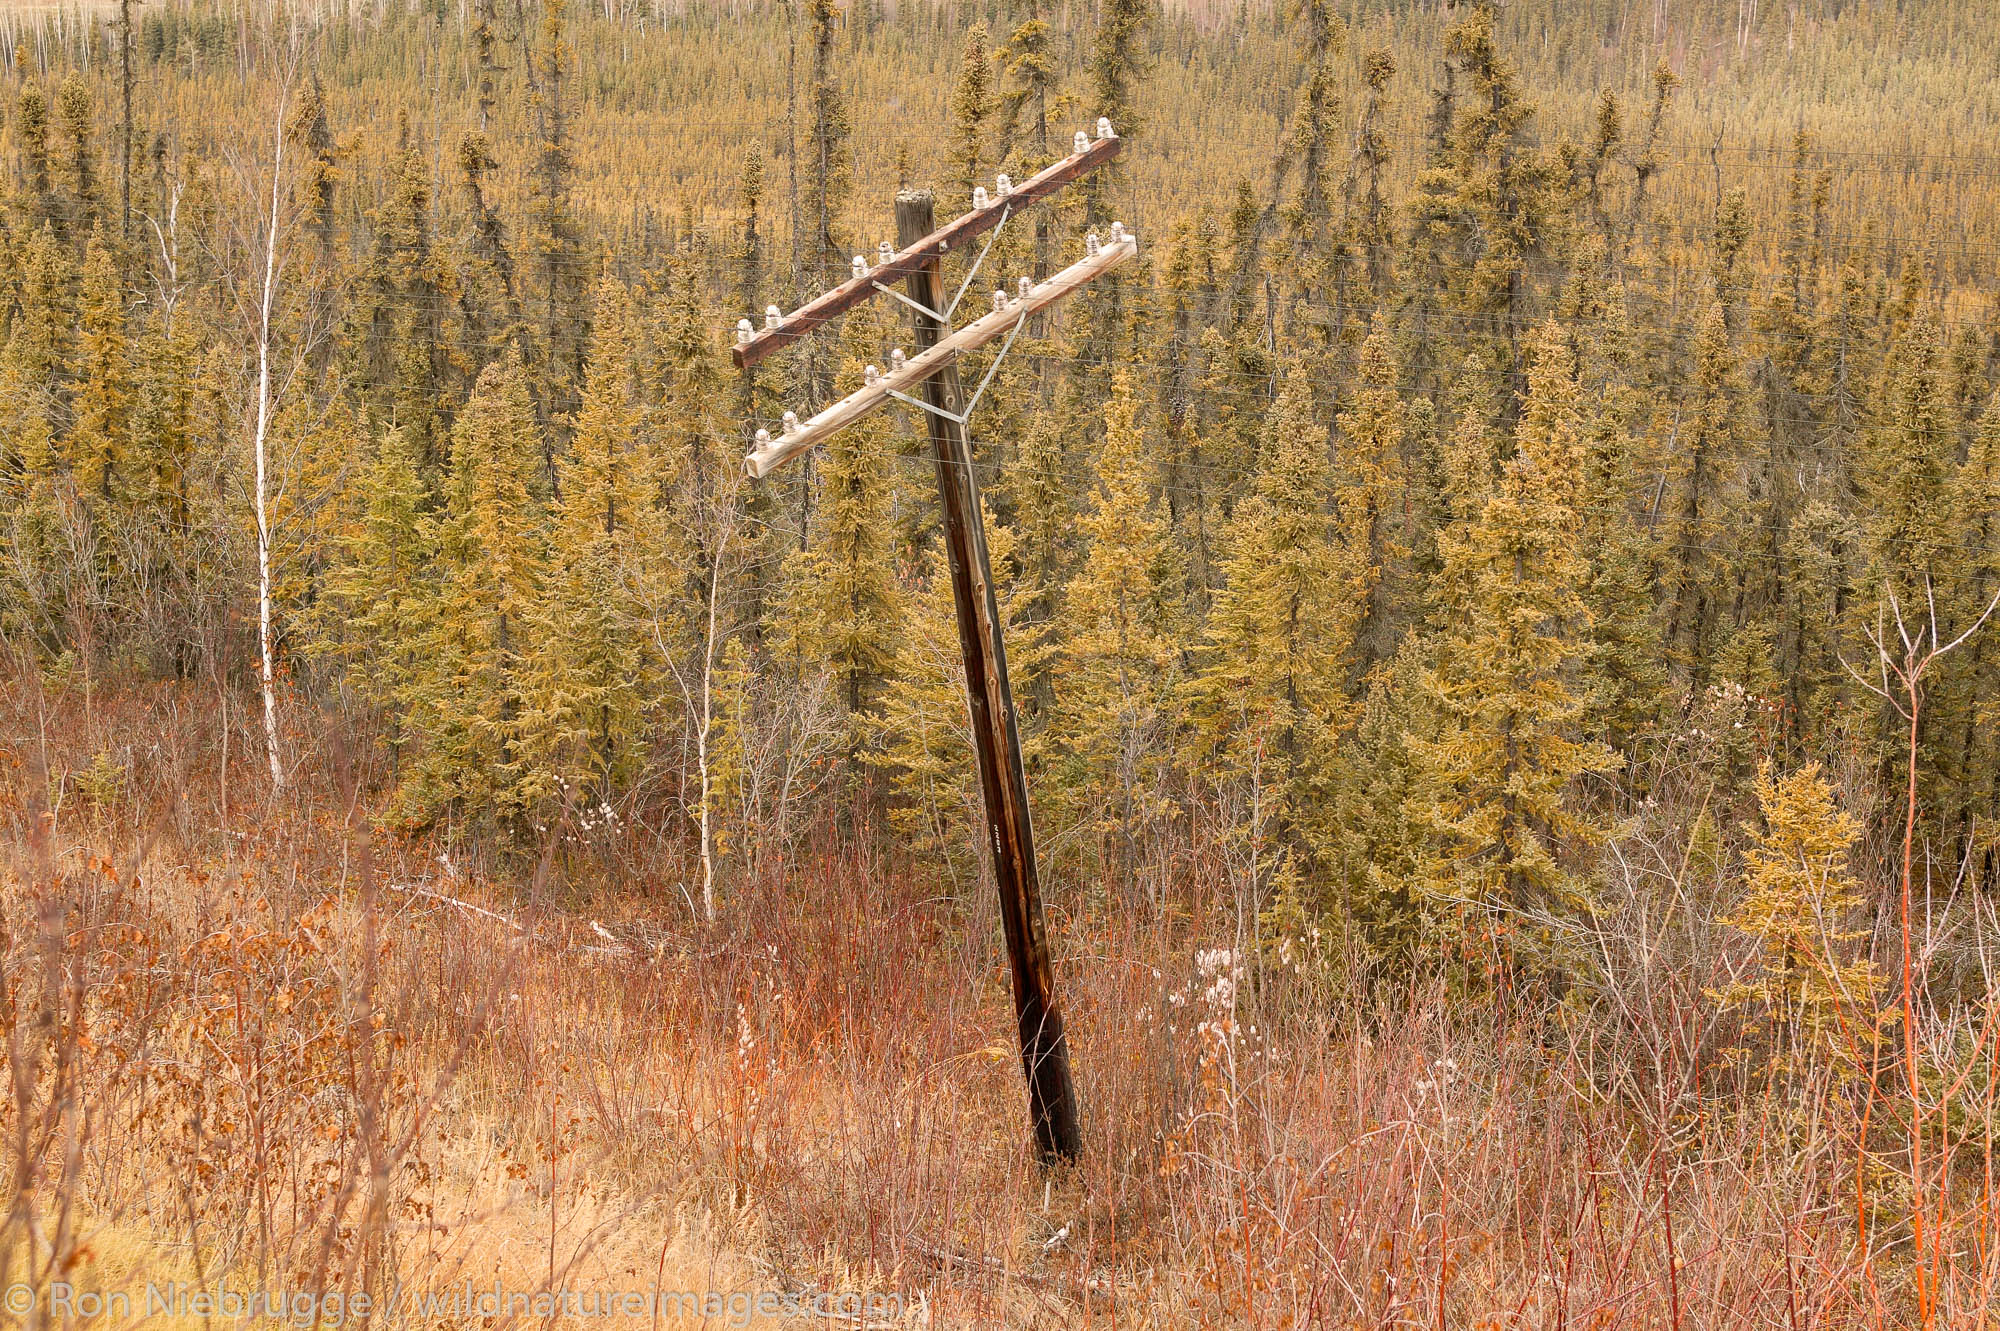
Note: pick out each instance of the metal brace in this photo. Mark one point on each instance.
(916, 305)
(921, 405)
(994, 368)
(991, 370)
(991, 236)
(945, 317)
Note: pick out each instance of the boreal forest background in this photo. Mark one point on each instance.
(1518, 426)
(1494, 595)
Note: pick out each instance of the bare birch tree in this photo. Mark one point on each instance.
(261, 298)
(697, 680)
(266, 298)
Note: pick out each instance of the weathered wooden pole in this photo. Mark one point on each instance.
(995, 736)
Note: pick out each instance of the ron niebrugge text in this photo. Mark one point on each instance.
(334, 1308)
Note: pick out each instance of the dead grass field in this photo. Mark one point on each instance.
(250, 1040)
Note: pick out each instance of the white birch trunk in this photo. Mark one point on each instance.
(701, 735)
(262, 450)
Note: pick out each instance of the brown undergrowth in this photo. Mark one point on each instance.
(251, 1041)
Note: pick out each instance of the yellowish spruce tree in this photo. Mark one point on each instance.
(101, 403)
(1810, 996)
(1281, 629)
(1115, 686)
(1505, 768)
(470, 703)
(587, 673)
(843, 606)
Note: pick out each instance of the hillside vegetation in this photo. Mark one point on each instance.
(1500, 597)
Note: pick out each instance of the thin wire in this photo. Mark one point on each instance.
(1664, 523)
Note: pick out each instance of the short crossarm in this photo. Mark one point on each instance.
(1007, 314)
(786, 329)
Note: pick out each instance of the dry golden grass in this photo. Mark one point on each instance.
(270, 1046)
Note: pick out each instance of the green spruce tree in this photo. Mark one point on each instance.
(1504, 770)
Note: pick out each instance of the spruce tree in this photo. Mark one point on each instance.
(377, 613)
(1371, 483)
(972, 105)
(1704, 498)
(1375, 831)
(400, 341)
(311, 135)
(1116, 66)
(1504, 768)
(586, 675)
(165, 425)
(695, 446)
(40, 334)
(553, 237)
(749, 257)
(1971, 694)
(1907, 470)
(843, 604)
(469, 702)
(1468, 468)
(1271, 700)
(731, 808)
(1502, 193)
(1625, 674)
(1189, 289)
(1119, 666)
(1308, 255)
(31, 132)
(76, 116)
(33, 476)
(1804, 909)
(1038, 488)
(1031, 74)
(101, 403)
(1374, 223)
(829, 173)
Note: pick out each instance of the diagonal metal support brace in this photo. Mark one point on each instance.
(916, 305)
(925, 406)
(994, 368)
(977, 263)
(991, 370)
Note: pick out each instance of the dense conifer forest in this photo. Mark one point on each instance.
(1500, 597)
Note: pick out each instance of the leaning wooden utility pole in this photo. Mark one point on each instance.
(995, 735)
(934, 371)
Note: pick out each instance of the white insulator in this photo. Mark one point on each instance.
(1104, 128)
(860, 266)
(1117, 232)
(1091, 245)
(773, 317)
(896, 359)
(869, 375)
(883, 253)
(1082, 141)
(791, 422)
(999, 300)
(744, 332)
(1024, 286)
(1003, 184)
(979, 199)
